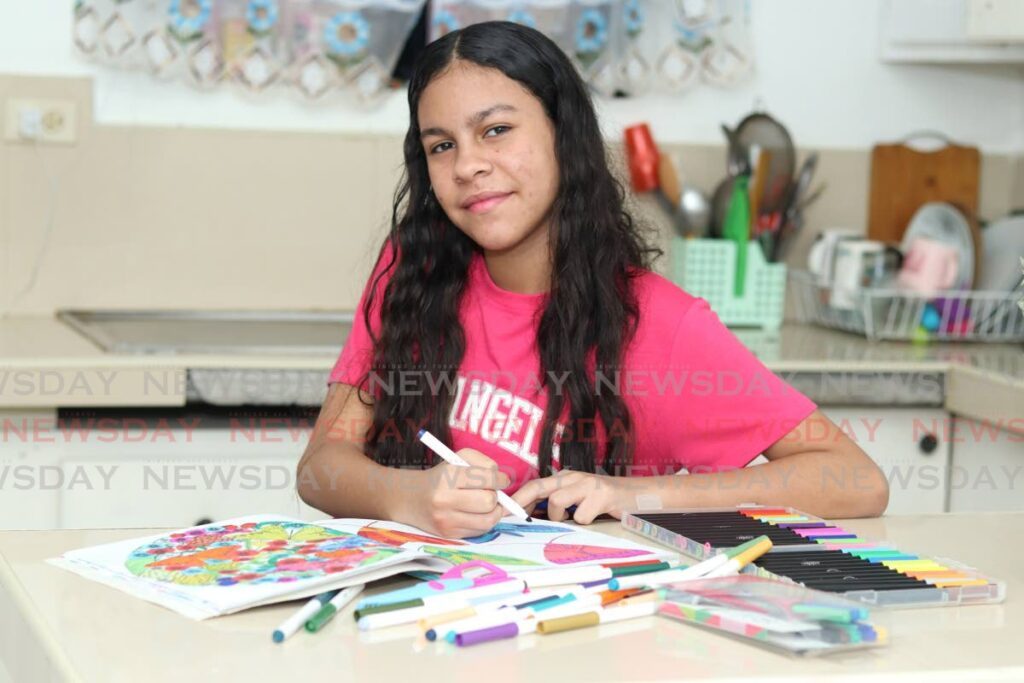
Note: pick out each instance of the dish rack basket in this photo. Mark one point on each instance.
(897, 314)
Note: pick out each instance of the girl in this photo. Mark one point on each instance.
(512, 313)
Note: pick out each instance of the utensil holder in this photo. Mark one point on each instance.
(707, 268)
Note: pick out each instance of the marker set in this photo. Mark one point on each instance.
(776, 614)
(820, 555)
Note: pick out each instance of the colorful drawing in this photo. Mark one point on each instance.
(460, 556)
(571, 553)
(253, 553)
(396, 538)
(515, 529)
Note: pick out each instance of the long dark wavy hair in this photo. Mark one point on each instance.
(596, 250)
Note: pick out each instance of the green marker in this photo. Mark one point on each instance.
(733, 552)
(840, 615)
(337, 603)
(386, 607)
(640, 569)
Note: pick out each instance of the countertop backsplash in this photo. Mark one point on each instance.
(149, 217)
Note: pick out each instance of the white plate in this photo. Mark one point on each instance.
(944, 223)
(1002, 248)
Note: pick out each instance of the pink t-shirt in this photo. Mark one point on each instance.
(697, 397)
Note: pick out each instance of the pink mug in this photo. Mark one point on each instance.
(929, 266)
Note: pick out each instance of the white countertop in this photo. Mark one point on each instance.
(982, 380)
(58, 622)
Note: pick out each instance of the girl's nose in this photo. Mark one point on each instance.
(470, 162)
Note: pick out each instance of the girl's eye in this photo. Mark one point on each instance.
(440, 147)
(497, 130)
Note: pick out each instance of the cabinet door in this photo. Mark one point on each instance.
(30, 474)
(205, 474)
(910, 445)
(988, 468)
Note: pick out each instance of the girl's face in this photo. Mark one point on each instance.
(490, 151)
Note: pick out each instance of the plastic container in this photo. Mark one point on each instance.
(707, 268)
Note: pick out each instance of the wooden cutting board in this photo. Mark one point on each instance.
(903, 178)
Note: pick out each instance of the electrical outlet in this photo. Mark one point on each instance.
(47, 121)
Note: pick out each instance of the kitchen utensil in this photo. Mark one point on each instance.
(1002, 248)
(803, 182)
(696, 211)
(760, 161)
(944, 223)
(903, 178)
(720, 204)
(770, 136)
(670, 195)
(737, 229)
(794, 205)
(689, 205)
(668, 180)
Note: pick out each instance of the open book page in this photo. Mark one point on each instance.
(228, 566)
(232, 565)
(513, 545)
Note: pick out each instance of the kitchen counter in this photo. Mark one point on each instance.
(45, 364)
(55, 625)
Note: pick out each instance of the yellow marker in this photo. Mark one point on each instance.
(914, 565)
(744, 555)
(600, 616)
(569, 623)
(430, 622)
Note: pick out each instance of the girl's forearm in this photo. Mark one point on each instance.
(341, 481)
(819, 483)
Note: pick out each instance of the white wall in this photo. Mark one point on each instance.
(818, 71)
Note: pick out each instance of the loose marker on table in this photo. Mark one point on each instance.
(452, 458)
(297, 620)
(327, 612)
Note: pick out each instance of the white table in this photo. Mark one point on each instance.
(55, 625)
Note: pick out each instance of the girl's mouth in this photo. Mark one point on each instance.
(485, 202)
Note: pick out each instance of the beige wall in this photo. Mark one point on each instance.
(1017, 189)
(185, 218)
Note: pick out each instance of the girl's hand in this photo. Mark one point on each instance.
(592, 494)
(454, 501)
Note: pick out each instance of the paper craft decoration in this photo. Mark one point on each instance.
(229, 566)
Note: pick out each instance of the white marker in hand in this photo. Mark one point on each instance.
(452, 458)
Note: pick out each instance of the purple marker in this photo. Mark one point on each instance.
(501, 632)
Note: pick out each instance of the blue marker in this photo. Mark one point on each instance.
(420, 590)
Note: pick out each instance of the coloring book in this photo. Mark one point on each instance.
(229, 566)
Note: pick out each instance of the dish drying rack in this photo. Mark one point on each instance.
(896, 314)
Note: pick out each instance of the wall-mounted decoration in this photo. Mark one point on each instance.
(327, 49)
(318, 48)
(628, 47)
